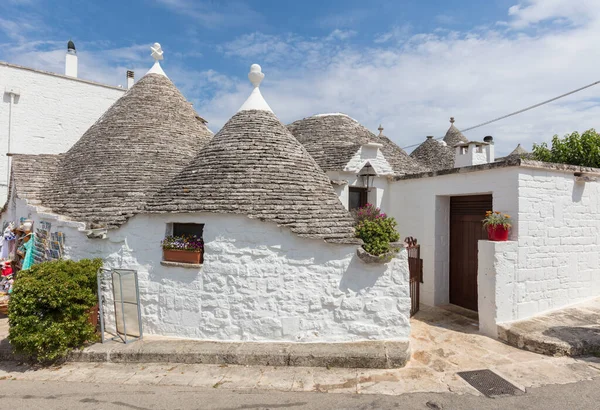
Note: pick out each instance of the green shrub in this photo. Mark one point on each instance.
(48, 313)
(376, 230)
(574, 149)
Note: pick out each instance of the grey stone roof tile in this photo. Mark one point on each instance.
(332, 140)
(255, 167)
(140, 142)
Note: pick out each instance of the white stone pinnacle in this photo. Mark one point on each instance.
(256, 75)
(256, 100)
(157, 54)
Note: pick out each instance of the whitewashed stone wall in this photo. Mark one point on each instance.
(258, 282)
(377, 194)
(51, 114)
(555, 236)
(559, 241)
(496, 278)
(421, 207)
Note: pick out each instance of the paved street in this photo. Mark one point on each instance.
(66, 396)
(443, 344)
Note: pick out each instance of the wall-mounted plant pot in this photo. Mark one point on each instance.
(366, 257)
(497, 233)
(175, 255)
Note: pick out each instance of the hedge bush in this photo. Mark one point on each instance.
(48, 313)
(376, 230)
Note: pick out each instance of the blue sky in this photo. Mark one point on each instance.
(407, 65)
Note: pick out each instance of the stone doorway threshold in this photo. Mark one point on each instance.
(471, 314)
(572, 331)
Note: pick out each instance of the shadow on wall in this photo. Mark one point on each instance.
(578, 190)
(582, 340)
(360, 276)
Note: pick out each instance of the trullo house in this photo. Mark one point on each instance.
(280, 255)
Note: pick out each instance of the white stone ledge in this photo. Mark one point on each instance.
(181, 264)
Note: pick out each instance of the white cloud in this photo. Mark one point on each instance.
(342, 35)
(213, 14)
(411, 83)
(529, 12)
(396, 34)
(414, 86)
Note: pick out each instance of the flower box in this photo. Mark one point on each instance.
(176, 255)
(497, 233)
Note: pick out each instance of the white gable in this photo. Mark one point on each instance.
(369, 154)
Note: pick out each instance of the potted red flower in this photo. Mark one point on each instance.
(184, 249)
(498, 225)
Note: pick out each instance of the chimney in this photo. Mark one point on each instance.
(489, 149)
(71, 60)
(474, 153)
(130, 79)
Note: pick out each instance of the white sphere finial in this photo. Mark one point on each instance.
(255, 75)
(157, 52)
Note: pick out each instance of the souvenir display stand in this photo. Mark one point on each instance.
(22, 246)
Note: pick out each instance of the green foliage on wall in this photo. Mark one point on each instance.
(376, 229)
(49, 308)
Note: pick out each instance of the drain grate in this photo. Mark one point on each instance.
(489, 383)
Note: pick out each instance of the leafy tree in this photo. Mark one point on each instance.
(574, 149)
(49, 309)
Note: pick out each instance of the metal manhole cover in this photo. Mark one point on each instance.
(489, 383)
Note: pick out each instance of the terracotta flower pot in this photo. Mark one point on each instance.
(176, 255)
(497, 233)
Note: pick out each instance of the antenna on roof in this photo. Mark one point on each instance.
(380, 129)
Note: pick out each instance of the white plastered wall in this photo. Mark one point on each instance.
(421, 207)
(258, 281)
(51, 113)
(559, 241)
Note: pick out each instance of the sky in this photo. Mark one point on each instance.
(406, 65)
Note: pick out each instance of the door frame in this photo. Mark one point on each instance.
(475, 201)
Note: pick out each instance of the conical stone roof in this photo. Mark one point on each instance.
(519, 151)
(142, 141)
(255, 167)
(453, 135)
(434, 154)
(332, 140)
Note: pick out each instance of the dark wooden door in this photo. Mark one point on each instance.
(466, 229)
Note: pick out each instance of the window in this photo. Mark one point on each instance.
(188, 229)
(357, 198)
(479, 148)
(183, 245)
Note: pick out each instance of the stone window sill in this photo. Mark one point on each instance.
(181, 264)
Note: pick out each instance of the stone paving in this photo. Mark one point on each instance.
(572, 331)
(443, 343)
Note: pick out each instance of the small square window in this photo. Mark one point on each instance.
(187, 229)
(183, 245)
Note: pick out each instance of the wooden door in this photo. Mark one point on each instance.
(466, 229)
